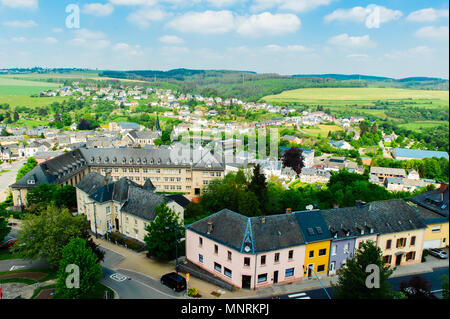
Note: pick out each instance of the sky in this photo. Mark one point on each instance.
(395, 38)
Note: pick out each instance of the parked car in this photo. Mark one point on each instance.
(174, 281)
(438, 253)
(9, 243)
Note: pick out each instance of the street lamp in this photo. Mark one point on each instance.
(176, 245)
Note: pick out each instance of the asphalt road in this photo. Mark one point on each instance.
(135, 286)
(434, 277)
(8, 178)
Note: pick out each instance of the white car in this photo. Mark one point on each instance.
(438, 253)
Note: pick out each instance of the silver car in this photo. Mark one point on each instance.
(438, 253)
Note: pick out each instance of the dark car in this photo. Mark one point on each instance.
(8, 243)
(174, 281)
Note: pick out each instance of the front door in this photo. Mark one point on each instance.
(246, 280)
(310, 272)
(117, 224)
(398, 259)
(275, 277)
(332, 266)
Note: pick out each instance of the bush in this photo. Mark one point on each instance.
(193, 292)
(424, 255)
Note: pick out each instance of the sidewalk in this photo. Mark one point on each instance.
(138, 262)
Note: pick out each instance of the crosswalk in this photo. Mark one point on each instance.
(300, 295)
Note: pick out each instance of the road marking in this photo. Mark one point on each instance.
(436, 291)
(304, 297)
(16, 267)
(118, 277)
(297, 295)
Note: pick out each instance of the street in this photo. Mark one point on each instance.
(8, 178)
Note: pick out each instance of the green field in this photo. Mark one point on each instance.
(321, 130)
(418, 125)
(21, 100)
(15, 87)
(356, 95)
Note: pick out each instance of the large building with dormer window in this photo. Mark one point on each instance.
(180, 170)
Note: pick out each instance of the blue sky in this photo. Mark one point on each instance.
(396, 38)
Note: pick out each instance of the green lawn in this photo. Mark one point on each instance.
(321, 130)
(22, 100)
(10, 86)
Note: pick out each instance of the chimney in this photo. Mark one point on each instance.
(443, 187)
(288, 210)
(210, 227)
(263, 219)
(335, 205)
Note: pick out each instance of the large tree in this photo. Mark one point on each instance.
(160, 238)
(258, 185)
(45, 235)
(353, 276)
(293, 158)
(76, 252)
(28, 166)
(41, 196)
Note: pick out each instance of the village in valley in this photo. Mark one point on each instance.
(204, 183)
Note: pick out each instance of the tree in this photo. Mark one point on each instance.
(4, 228)
(363, 128)
(76, 252)
(160, 238)
(352, 278)
(45, 235)
(293, 158)
(40, 196)
(258, 185)
(28, 166)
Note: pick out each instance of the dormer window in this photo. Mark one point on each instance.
(31, 182)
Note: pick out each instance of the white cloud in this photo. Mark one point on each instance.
(420, 51)
(133, 2)
(98, 9)
(21, 4)
(222, 3)
(144, 16)
(288, 48)
(357, 56)
(18, 39)
(293, 5)
(427, 15)
(57, 30)
(346, 41)
(126, 49)
(220, 22)
(50, 40)
(372, 15)
(171, 39)
(433, 33)
(268, 24)
(89, 34)
(208, 22)
(20, 24)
